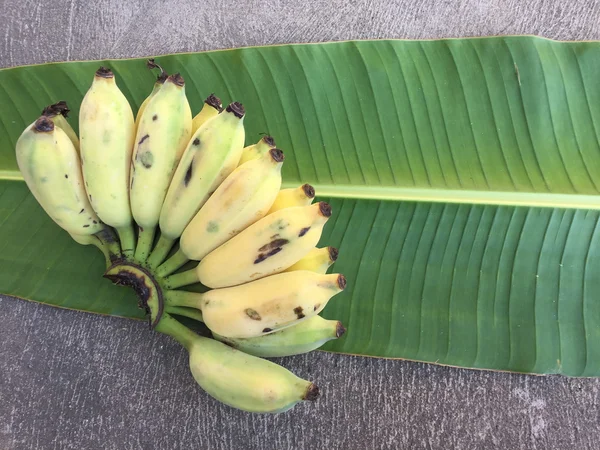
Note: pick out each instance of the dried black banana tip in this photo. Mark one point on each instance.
(325, 209)
(269, 141)
(312, 393)
(341, 281)
(43, 125)
(177, 79)
(340, 330)
(214, 101)
(56, 109)
(104, 72)
(237, 109)
(333, 253)
(309, 191)
(276, 155)
(151, 64)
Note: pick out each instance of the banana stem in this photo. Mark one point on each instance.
(192, 313)
(109, 245)
(160, 252)
(182, 334)
(172, 264)
(144, 244)
(105, 252)
(181, 279)
(127, 237)
(182, 298)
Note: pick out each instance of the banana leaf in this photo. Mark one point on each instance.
(464, 176)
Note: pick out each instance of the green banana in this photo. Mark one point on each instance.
(237, 379)
(50, 166)
(304, 337)
(211, 155)
(262, 306)
(163, 133)
(268, 246)
(160, 80)
(58, 113)
(291, 197)
(211, 107)
(257, 150)
(243, 198)
(318, 260)
(106, 129)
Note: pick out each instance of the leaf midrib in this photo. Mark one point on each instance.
(395, 193)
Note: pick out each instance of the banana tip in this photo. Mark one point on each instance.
(312, 393)
(276, 155)
(57, 108)
(43, 125)
(325, 209)
(176, 79)
(104, 72)
(341, 281)
(214, 101)
(309, 191)
(340, 330)
(333, 253)
(269, 141)
(237, 109)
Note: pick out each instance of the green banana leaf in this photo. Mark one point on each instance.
(464, 176)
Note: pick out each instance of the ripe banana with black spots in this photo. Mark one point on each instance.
(318, 260)
(106, 129)
(304, 337)
(237, 379)
(212, 106)
(51, 168)
(243, 198)
(268, 246)
(262, 306)
(163, 133)
(290, 197)
(211, 155)
(58, 113)
(160, 79)
(257, 150)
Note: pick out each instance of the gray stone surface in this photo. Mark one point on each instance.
(71, 380)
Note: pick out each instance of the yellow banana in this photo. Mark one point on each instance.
(287, 198)
(211, 155)
(318, 260)
(237, 379)
(212, 106)
(262, 306)
(50, 166)
(160, 79)
(243, 198)
(58, 113)
(163, 133)
(257, 150)
(106, 129)
(268, 246)
(304, 337)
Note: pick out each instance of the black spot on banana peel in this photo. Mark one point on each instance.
(253, 314)
(196, 142)
(316, 306)
(303, 231)
(299, 312)
(273, 244)
(262, 256)
(104, 72)
(43, 125)
(155, 116)
(214, 101)
(267, 330)
(143, 139)
(150, 297)
(188, 175)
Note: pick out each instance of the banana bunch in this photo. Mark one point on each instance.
(165, 189)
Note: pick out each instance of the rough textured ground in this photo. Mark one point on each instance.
(70, 380)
